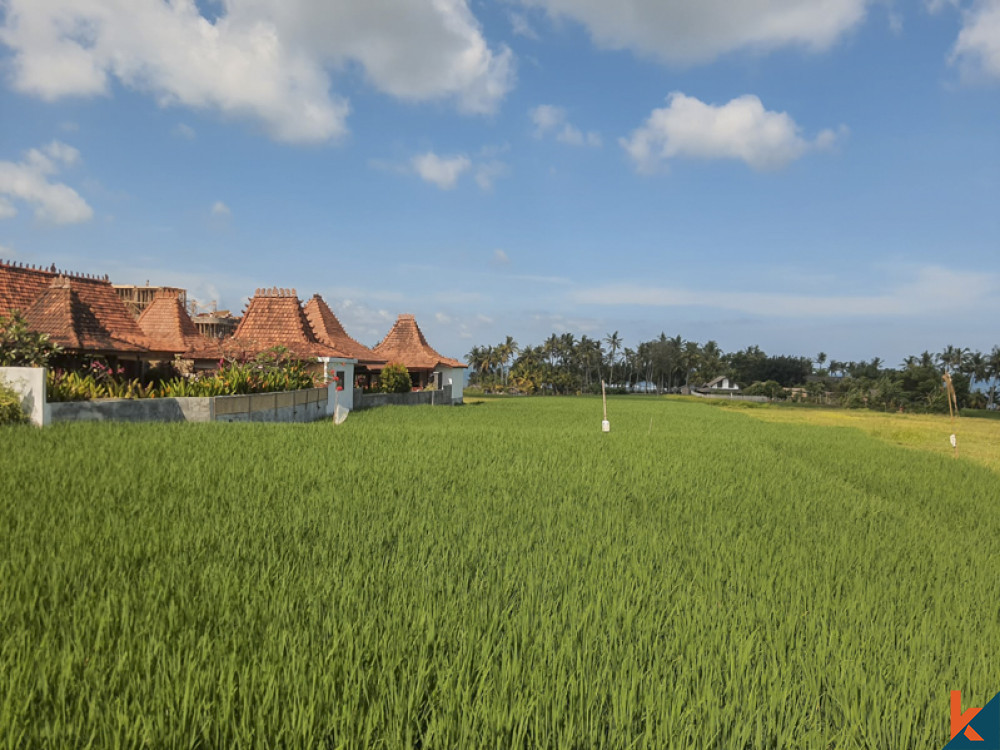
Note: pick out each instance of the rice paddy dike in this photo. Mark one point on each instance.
(499, 575)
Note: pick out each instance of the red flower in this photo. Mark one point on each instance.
(340, 387)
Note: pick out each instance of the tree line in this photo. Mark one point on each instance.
(565, 364)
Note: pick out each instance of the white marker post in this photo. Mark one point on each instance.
(605, 425)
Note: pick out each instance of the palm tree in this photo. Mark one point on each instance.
(993, 374)
(690, 359)
(475, 360)
(975, 366)
(952, 358)
(489, 359)
(629, 359)
(552, 348)
(505, 353)
(614, 342)
(711, 361)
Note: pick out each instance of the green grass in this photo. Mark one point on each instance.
(501, 575)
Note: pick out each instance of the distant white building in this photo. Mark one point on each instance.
(722, 383)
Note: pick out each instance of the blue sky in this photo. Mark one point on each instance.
(800, 175)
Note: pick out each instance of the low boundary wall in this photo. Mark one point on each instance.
(440, 397)
(133, 410)
(306, 405)
(732, 397)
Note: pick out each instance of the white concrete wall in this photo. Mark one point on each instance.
(306, 405)
(345, 397)
(197, 409)
(455, 377)
(30, 384)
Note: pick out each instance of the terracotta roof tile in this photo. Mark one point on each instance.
(330, 332)
(405, 344)
(73, 316)
(21, 285)
(275, 317)
(169, 328)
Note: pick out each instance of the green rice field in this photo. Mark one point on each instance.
(498, 575)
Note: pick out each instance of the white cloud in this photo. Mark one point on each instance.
(681, 31)
(548, 118)
(521, 27)
(28, 181)
(445, 171)
(575, 137)
(536, 279)
(58, 151)
(488, 172)
(741, 129)
(501, 257)
(928, 291)
(182, 130)
(442, 171)
(442, 318)
(266, 60)
(221, 210)
(978, 44)
(7, 252)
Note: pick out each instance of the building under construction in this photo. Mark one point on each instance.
(138, 298)
(218, 324)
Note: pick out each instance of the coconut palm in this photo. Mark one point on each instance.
(614, 342)
(952, 358)
(993, 374)
(629, 360)
(552, 348)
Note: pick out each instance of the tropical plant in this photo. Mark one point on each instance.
(770, 388)
(22, 347)
(395, 378)
(10, 406)
(270, 371)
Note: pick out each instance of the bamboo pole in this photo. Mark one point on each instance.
(952, 409)
(605, 425)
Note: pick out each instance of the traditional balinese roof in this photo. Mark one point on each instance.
(330, 332)
(79, 317)
(275, 317)
(169, 328)
(21, 284)
(406, 345)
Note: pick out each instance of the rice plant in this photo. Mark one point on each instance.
(499, 576)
